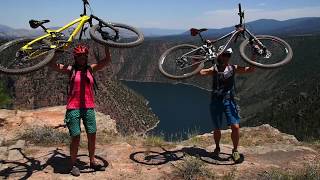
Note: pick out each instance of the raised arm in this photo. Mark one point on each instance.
(59, 67)
(246, 69)
(206, 72)
(102, 62)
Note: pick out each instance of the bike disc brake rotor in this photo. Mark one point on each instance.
(107, 36)
(267, 54)
(181, 62)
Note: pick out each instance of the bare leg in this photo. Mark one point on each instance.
(91, 146)
(75, 140)
(235, 135)
(217, 137)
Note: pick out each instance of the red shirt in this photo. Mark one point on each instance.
(81, 91)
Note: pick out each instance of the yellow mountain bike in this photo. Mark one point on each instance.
(26, 55)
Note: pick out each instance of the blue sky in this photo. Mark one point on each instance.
(170, 14)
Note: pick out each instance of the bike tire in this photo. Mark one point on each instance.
(47, 58)
(164, 59)
(286, 51)
(135, 42)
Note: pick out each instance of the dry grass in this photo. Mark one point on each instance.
(31, 151)
(247, 139)
(45, 136)
(254, 138)
(192, 168)
(200, 141)
(106, 137)
(310, 172)
(157, 141)
(313, 143)
(132, 139)
(231, 175)
(154, 141)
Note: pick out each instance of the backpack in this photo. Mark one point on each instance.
(219, 91)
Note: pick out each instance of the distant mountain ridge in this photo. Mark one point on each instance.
(298, 26)
(153, 32)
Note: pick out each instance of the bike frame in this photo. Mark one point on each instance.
(240, 30)
(81, 21)
(213, 55)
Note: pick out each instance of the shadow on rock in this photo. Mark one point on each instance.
(165, 156)
(56, 159)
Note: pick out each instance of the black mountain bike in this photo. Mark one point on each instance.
(186, 60)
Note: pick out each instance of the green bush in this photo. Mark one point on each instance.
(4, 97)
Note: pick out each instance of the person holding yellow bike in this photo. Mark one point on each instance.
(80, 102)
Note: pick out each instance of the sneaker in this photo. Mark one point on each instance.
(97, 167)
(236, 156)
(75, 171)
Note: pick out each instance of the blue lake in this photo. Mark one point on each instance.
(181, 108)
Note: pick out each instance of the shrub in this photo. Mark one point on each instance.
(45, 136)
(4, 97)
(192, 168)
(310, 172)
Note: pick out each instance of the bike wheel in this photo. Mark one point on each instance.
(278, 52)
(181, 61)
(127, 36)
(14, 61)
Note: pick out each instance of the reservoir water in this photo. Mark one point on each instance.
(182, 109)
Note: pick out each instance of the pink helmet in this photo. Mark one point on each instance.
(80, 50)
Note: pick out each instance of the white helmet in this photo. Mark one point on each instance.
(228, 51)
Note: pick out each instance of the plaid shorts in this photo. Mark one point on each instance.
(72, 119)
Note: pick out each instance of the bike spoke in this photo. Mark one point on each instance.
(14, 58)
(182, 61)
(194, 64)
(274, 51)
(11, 63)
(121, 35)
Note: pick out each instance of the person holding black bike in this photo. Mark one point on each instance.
(80, 102)
(222, 100)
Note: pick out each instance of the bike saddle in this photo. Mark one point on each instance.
(195, 31)
(35, 24)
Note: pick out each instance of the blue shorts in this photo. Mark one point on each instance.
(222, 109)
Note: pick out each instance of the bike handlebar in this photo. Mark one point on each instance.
(85, 2)
(240, 13)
